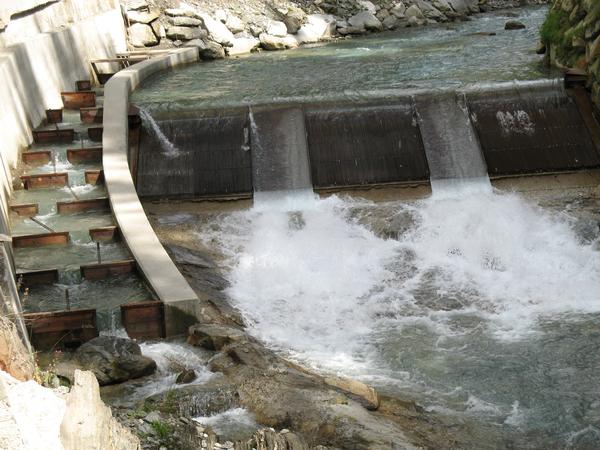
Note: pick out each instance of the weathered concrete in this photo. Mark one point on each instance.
(181, 302)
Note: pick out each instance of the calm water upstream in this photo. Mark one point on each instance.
(445, 56)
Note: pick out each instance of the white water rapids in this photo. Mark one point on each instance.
(458, 301)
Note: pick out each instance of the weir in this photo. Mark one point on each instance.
(450, 142)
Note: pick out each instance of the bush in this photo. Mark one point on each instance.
(162, 430)
(554, 27)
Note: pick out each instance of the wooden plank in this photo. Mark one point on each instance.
(107, 269)
(104, 234)
(144, 320)
(37, 277)
(95, 134)
(91, 115)
(83, 85)
(26, 209)
(94, 177)
(54, 115)
(84, 155)
(51, 136)
(36, 157)
(76, 100)
(38, 240)
(61, 329)
(43, 180)
(75, 206)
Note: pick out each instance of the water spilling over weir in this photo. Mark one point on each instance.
(478, 304)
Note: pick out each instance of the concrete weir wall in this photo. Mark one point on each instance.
(45, 46)
(507, 129)
(181, 302)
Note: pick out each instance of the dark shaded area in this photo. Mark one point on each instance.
(365, 145)
(529, 130)
(208, 159)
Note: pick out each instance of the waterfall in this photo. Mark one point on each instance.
(455, 159)
(280, 165)
(169, 149)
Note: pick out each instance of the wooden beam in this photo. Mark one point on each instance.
(95, 134)
(43, 180)
(107, 269)
(64, 135)
(76, 100)
(94, 177)
(38, 157)
(39, 240)
(104, 234)
(61, 329)
(84, 155)
(25, 209)
(75, 206)
(83, 85)
(91, 115)
(144, 320)
(38, 277)
(54, 115)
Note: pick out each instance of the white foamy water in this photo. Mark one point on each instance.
(320, 284)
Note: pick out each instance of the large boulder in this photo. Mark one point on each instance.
(243, 45)
(214, 337)
(88, 423)
(276, 28)
(211, 51)
(141, 35)
(113, 360)
(294, 19)
(235, 24)
(270, 42)
(217, 31)
(414, 11)
(184, 21)
(367, 6)
(184, 33)
(365, 21)
(142, 16)
(515, 25)
(316, 28)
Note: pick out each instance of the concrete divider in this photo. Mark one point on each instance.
(181, 302)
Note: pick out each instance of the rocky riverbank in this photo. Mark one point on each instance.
(571, 34)
(230, 27)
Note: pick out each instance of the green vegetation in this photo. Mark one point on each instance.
(162, 430)
(554, 27)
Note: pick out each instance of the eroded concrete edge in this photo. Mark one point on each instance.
(154, 263)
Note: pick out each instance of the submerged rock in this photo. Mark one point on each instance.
(214, 337)
(113, 360)
(186, 376)
(514, 25)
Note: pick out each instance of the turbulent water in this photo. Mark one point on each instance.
(476, 303)
(446, 56)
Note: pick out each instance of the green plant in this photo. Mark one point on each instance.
(162, 430)
(554, 27)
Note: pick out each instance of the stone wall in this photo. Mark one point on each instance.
(571, 34)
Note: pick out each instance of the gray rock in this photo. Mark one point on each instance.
(365, 20)
(184, 255)
(294, 19)
(214, 337)
(390, 22)
(366, 5)
(514, 25)
(142, 16)
(414, 11)
(317, 27)
(217, 31)
(174, 12)
(276, 28)
(183, 21)
(136, 5)
(186, 376)
(235, 24)
(399, 10)
(184, 33)
(212, 51)
(88, 423)
(270, 42)
(113, 359)
(141, 35)
(241, 46)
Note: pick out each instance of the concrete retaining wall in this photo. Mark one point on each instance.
(181, 302)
